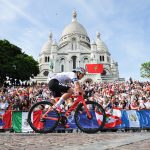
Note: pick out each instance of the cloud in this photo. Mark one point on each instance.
(29, 43)
(87, 8)
(15, 10)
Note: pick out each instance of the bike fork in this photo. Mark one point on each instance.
(87, 110)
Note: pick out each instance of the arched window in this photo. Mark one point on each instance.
(45, 59)
(62, 68)
(101, 58)
(62, 64)
(48, 58)
(74, 58)
(85, 62)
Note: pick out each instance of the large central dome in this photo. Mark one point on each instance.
(73, 32)
(74, 27)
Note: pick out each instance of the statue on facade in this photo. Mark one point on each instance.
(51, 65)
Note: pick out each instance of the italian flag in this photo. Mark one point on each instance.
(19, 122)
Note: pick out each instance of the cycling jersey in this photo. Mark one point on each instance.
(63, 77)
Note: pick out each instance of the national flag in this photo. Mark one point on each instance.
(133, 118)
(19, 122)
(99, 117)
(36, 119)
(117, 115)
(112, 120)
(94, 68)
(7, 119)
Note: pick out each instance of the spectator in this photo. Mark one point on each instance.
(3, 105)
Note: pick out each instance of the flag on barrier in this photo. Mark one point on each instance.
(133, 118)
(112, 119)
(19, 122)
(7, 117)
(36, 119)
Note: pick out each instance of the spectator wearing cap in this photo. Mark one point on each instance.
(3, 105)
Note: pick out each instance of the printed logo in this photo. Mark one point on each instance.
(132, 117)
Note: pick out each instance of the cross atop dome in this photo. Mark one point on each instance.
(50, 35)
(98, 35)
(74, 16)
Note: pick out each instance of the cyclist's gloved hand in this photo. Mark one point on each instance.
(80, 93)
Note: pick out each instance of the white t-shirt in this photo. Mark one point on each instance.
(63, 77)
(147, 105)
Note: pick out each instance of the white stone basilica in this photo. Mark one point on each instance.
(75, 49)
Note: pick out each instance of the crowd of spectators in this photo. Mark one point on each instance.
(123, 95)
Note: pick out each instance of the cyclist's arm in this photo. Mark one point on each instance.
(78, 87)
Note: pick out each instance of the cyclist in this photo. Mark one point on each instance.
(59, 83)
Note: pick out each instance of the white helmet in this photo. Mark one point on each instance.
(80, 69)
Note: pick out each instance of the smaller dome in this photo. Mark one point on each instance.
(103, 46)
(100, 44)
(47, 46)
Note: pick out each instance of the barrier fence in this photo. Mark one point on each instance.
(117, 119)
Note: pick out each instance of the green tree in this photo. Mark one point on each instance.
(145, 70)
(15, 64)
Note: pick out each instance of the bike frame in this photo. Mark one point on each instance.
(79, 99)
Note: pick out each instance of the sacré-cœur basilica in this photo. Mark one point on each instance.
(76, 49)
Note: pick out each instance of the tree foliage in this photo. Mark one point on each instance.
(15, 64)
(145, 70)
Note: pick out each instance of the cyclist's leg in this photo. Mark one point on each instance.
(56, 92)
(57, 88)
(67, 94)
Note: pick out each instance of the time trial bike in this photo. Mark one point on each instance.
(89, 116)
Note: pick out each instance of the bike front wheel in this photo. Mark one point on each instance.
(36, 120)
(93, 124)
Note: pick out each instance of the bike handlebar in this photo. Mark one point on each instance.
(76, 96)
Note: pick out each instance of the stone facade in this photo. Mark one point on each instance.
(75, 49)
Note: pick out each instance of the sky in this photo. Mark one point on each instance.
(124, 26)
